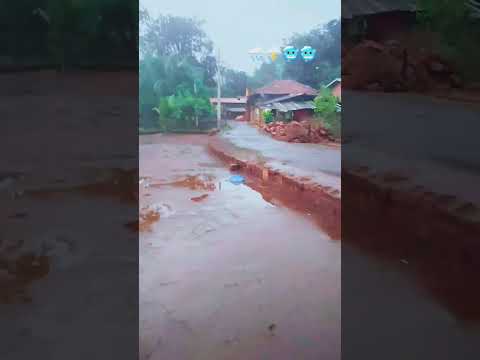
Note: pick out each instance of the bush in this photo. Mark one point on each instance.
(333, 124)
(326, 111)
(325, 103)
(164, 111)
(182, 108)
(267, 116)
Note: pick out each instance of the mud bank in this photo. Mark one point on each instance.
(419, 230)
(323, 203)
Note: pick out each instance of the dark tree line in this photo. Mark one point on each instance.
(326, 39)
(69, 33)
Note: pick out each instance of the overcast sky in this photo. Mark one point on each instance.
(238, 26)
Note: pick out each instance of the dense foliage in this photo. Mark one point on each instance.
(325, 110)
(267, 116)
(326, 39)
(458, 30)
(176, 72)
(69, 32)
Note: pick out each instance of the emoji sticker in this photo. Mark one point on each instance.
(308, 53)
(290, 53)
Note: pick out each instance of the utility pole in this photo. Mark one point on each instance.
(195, 92)
(219, 106)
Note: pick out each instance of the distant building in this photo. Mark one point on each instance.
(231, 107)
(287, 99)
(335, 87)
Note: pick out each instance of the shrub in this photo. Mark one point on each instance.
(267, 116)
(325, 103)
(326, 111)
(164, 111)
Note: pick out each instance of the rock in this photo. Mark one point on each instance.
(370, 62)
(294, 130)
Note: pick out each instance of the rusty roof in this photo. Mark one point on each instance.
(285, 87)
(237, 100)
(351, 8)
(289, 106)
(284, 98)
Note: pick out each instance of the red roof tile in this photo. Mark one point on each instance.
(284, 87)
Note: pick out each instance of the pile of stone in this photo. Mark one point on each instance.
(298, 132)
(393, 66)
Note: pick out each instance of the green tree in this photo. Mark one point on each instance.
(326, 39)
(235, 83)
(325, 103)
(174, 36)
(267, 116)
(326, 110)
(266, 73)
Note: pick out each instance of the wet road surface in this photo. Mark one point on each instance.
(311, 158)
(412, 135)
(225, 274)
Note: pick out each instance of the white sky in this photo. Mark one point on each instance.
(238, 26)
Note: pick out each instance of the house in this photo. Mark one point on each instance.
(335, 87)
(377, 20)
(287, 99)
(231, 107)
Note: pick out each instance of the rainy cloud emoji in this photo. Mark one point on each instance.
(308, 53)
(290, 53)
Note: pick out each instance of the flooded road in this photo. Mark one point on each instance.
(224, 274)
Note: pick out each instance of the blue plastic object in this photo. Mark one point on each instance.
(237, 179)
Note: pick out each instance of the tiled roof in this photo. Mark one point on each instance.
(284, 87)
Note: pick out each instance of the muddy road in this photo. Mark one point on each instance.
(225, 274)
